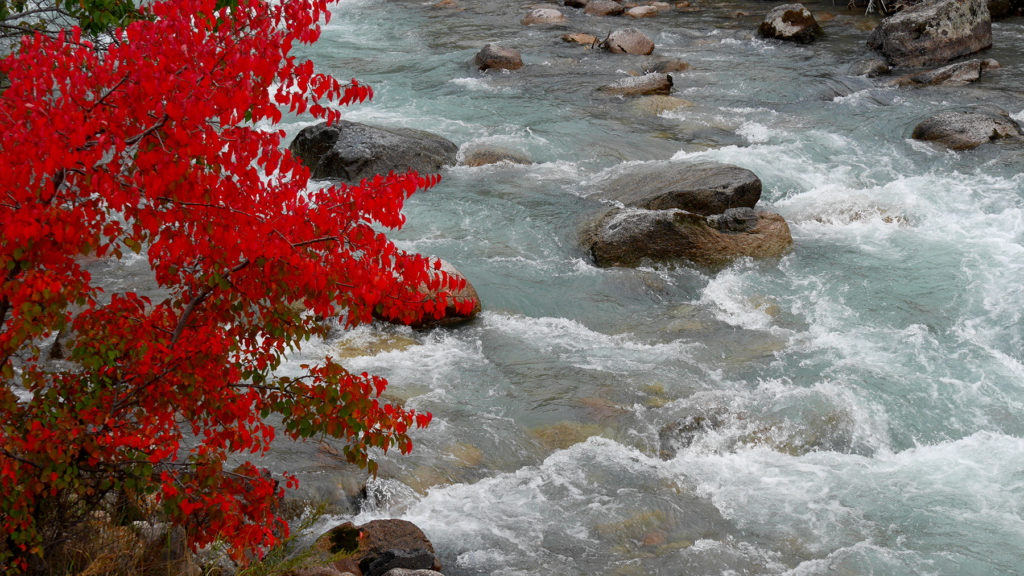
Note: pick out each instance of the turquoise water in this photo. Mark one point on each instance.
(854, 408)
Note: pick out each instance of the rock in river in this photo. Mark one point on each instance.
(631, 236)
(648, 84)
(704, 188)
(966, 130)
(450, 316)
(350, 152)
(372, 549)
(603, 8)
(494, 56)
(790, 22)
(544, 16)
(933, 32)
(629, 41)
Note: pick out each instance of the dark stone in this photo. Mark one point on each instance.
(372, 549)
(933, 32)
(790, 22)
(493, 56)
(351, 152)
(576, 3)
(968, 130)
(704, 188)
(734, 220)
(630, 237)
(391, 559)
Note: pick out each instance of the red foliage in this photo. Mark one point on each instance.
(156, 146)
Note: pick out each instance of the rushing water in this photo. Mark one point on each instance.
(854, 408)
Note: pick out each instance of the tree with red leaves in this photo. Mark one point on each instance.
(157, 145)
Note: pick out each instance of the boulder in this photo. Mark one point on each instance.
(705, 188)
(790, 22)
(667, 66)
(603, 8)
(648, 84)
(734, 220)
(350, 152)
(629, 41)
(630, 236)
(580, 38)
(543, 16)
(642, 12)
(493, 56)
(483, 155)
(870, 68)
(450, 316)
(933, 32)
(374, 548)
(656, 105)
(967, 130)
(958, 74)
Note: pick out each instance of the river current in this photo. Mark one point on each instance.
(856, 407)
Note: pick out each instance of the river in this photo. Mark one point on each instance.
(856, 407)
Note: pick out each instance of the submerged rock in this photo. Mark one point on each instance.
(350, 152)
(629, 41)
(483, 155)
(667, 66)
(933, 32)
(968, 130)
(704, 188)
(790, 22)
(543, 16)
(658, 104)
(629, 237)
(648, 84)
(496, 57)
(870, 68)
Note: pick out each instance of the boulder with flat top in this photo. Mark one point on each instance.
(933, 32)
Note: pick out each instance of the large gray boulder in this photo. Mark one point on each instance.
(631, 237)
(704, 188)
(790, 22)
(958, 130)
(350, 152)
(933, 32)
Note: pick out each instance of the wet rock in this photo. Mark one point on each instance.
(350, 152)
(493, 56)
(968, 130)
(790, 22)
(543, 16)
(667, 66)
(705, 188)
(642, 12)
(576, 3)
(1000, 9)
(734, 220)
(933, 32)
(483, 155)
(603, 8)
(374, 548)
(648, 84)
(870, 68)
(959, 74)
(990, 64)
(629, 237)
(450, 316)
(629, 41)
(580, 38)
(656, 105)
